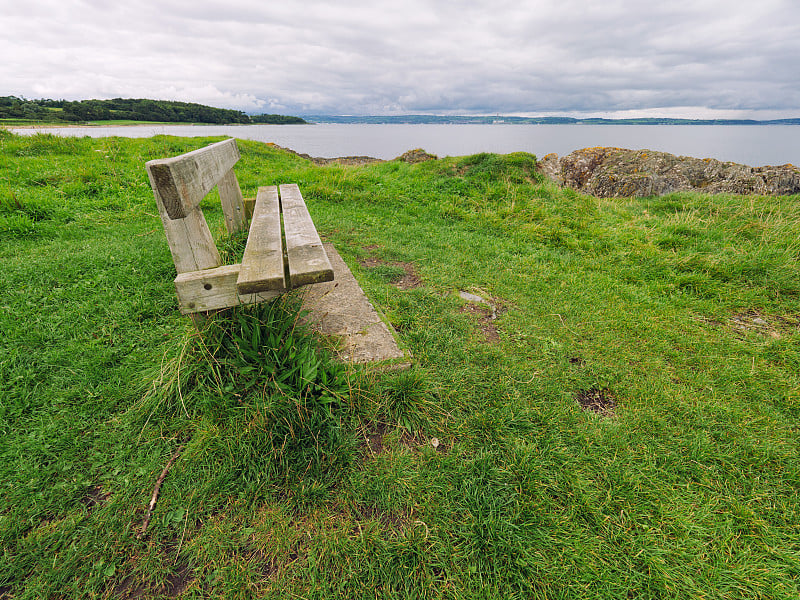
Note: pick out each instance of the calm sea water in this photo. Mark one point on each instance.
(753, 145)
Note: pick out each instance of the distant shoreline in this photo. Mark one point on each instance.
(424, 120)
(503, 120)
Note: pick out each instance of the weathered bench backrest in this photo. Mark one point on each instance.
(180, 184)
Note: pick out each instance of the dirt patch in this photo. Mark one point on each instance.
(402, 275)
(268, 568)
(601, 401)
(177, 583)
(371, 262)
(373, 438)
(410, 280)
(757, 323)
(485, 317)
(486, 310)
(373, 435)
(174, 585)
(417, 441)
(753, 321)
(94, 497)
(389, 519)
(126, 589)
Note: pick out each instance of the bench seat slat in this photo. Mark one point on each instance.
(262, 262)
(308, 262)
(214, 289)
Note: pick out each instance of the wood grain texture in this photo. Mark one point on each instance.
(189, 239)
(183, 181)
(230, 195)
(262, 262)
(213, 289)
(308, 262)
(249, 206)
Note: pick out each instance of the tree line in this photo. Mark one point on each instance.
(168, 111)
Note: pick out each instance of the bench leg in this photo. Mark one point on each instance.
(230, 196)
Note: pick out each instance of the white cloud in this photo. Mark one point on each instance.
(416, 56)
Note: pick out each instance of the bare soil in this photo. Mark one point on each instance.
(601, 401)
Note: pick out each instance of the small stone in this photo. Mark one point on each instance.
(760, 322)
(475, 299)
(435, 442)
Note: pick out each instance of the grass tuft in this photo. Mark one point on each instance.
(259, 372)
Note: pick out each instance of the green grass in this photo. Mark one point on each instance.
(24, 122)
(106, 123)
(297, 479)
(121, 122)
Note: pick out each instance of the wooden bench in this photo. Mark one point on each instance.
(283, 248)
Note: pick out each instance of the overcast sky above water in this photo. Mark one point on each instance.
(681, 58)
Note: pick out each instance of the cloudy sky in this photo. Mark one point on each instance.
(693, 58)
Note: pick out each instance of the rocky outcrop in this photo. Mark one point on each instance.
(339, 160)
(416, 156)
(617, 172)
(412, 156)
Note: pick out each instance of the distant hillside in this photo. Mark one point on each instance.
(129, 109)
(437, 119)
(277, 120)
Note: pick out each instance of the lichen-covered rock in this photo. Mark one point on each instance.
(550, 166)
(578, 168)
(416, 156)
(616, 172)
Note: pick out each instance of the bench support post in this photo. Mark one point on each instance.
(189, 239)
(230, 196)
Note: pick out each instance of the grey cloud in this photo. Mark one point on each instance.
(417, 56)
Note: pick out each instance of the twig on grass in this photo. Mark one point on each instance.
(183, 535)
(156, 489)
(563, 323)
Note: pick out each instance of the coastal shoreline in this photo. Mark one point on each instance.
(749, 145)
